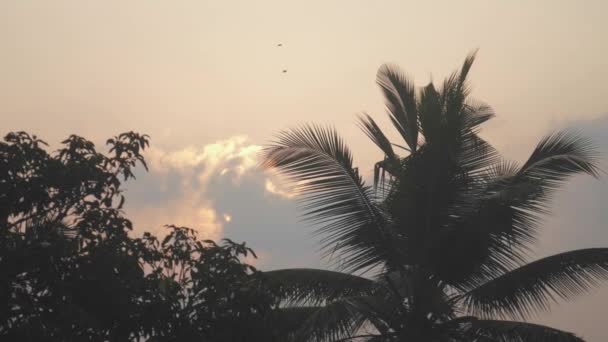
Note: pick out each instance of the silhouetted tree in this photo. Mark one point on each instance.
(445, 230)
(71, 272)
(201, 291)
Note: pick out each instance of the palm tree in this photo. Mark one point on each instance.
(443, 235)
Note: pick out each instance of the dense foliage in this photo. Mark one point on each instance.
(72, 272)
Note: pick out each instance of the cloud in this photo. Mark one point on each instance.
(219, 190)
(175, 189)
(233, 155)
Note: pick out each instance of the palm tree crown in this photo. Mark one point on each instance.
(445, 229)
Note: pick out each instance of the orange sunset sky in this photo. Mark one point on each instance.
(205, 80)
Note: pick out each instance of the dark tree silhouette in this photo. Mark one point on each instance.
(445, 230)
(71, 272)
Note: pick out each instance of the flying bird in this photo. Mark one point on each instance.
(279, 45)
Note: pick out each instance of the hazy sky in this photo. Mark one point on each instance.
(205, 80)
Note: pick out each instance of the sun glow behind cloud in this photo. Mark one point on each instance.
(182, 178)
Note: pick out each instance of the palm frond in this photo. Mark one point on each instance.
(430, 114)
(338, 320)
(514, 199)
(555, 159)
(559, 156)
(466, 68)
(375, 134)
(287, 320)
(455, 91)
(379, 338)
(510, 331)
(476, 113)
(531, 288)
(334, 196)
(467, 256)
(305, 285)
(390, 164)
(400, 95)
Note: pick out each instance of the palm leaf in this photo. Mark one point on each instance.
(476, 113)
(510, 331)
(430, 114)
(455, 91)
(390, 163)
(286, 321)
(554, 160)
(375, 134)
(530, 288)
(335, 321)
(333, 195)
(305, 285)
(400, 95)
(514, 199)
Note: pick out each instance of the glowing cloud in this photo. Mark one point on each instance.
(181, 179)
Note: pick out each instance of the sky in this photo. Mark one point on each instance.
(205, 80)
